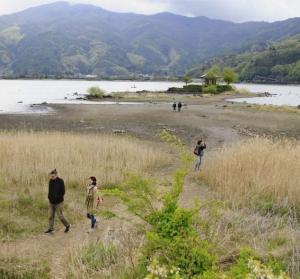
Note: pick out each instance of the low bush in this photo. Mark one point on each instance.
(224, 88)
(248, 266)
(193, 88)
(174, 242)
(210, 89)
(175, 90)
(95, 93)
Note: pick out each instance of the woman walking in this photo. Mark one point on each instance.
(92, 200)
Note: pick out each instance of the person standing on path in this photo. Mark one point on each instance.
(92, 200)
(179, 106)
(56, 199)
(199, 152)
(174, 106)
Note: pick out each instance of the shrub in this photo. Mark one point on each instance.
(193, 88)
(174, 241)
(95, 93)
(175, 90)
(249, 267)
(223, 88)
(210, 89)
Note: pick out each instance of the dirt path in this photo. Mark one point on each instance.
(55, 248)
(192, 192)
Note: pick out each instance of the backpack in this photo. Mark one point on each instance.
(196, 151)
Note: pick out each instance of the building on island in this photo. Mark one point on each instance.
(210, 78)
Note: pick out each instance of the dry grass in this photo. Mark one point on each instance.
(255, 171)
(243, 91)
(27, 158)
(271, 108)
(112, 257)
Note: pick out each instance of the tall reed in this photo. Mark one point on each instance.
(256, 170)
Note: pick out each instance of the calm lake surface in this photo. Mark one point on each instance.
(16, 96)
(284, 95)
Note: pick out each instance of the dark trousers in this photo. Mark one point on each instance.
(93, 220)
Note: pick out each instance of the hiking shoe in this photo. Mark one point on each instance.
(67, 228)
(49, 231)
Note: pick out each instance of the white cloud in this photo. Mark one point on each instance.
(236, 10)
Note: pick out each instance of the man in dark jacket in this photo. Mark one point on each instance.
(56, 199)
(179, 106)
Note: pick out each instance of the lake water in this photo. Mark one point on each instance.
(17, 96)
(284, 95)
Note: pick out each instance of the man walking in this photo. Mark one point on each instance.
(179, 106)
(56, 198)
(174, 106)
(199, 152)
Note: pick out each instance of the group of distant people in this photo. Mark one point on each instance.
(177, 106)
(56, 194)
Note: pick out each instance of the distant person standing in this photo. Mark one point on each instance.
(92, 200)
(56, 195)
(179, 106)
(199, 152)
(174, 106)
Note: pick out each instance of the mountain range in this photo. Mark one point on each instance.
(278, 62)
(65, 40)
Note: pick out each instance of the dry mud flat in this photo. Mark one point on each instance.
(211, 118)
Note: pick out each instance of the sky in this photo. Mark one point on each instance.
(234, 10)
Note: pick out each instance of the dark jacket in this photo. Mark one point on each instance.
(56, 191)
(199, 150)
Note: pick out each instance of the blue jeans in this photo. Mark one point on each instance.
(93, 220)
(198, 163)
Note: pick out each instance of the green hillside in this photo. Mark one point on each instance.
(276, 63)
(66, 40)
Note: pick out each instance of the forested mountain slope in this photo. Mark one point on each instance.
(63, 39)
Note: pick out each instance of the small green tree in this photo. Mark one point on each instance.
(229, 75)
(187, 80)
(95, 93)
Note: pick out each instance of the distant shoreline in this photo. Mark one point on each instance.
(143, 80)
